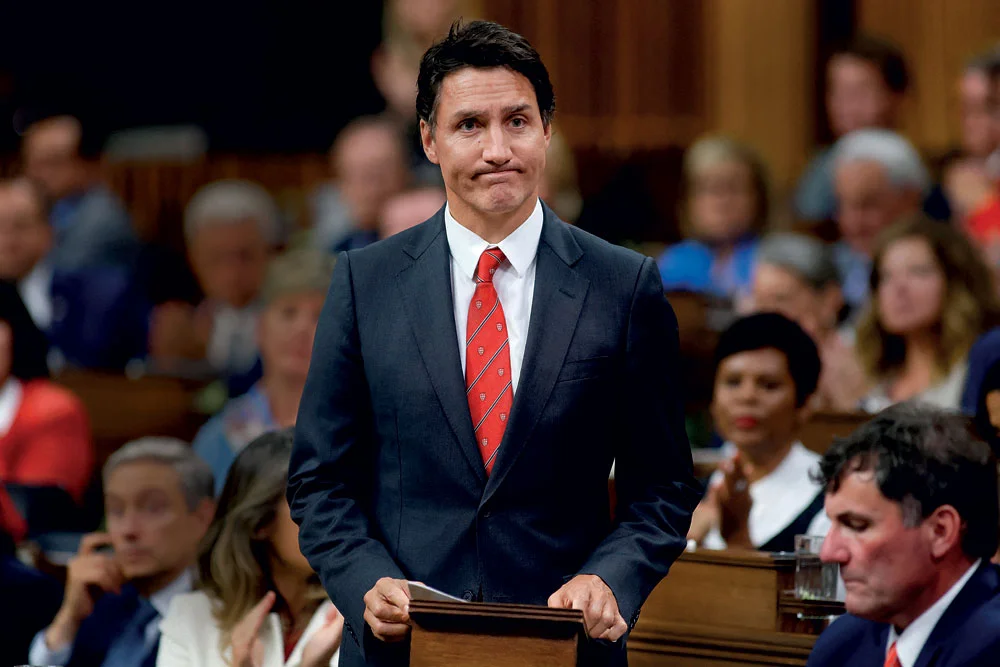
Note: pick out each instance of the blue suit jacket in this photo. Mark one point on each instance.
(98, 631)
(386, 478)
(968, 634)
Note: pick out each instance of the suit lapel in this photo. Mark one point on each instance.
(555, 308)
(432, 320)
(981, 587)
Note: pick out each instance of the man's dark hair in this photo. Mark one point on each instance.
(771, 330)
(483, 45)
(884, 55)
(924, 457)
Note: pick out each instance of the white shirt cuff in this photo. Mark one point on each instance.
(41, 654)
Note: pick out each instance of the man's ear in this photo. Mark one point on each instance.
(428, 142)
(944, 529)
(204, 513)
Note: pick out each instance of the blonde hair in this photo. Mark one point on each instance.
(234, 565)
(969, 307)
(711, 151)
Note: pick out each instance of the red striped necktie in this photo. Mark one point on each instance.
(487, 360)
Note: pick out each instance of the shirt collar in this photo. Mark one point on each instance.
(182, 584)
(10, 401)
(911, 642)
(520, 246)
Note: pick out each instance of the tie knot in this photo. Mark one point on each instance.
(489, 262)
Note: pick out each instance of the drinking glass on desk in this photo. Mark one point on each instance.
(814, 579)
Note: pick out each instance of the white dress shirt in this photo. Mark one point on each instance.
(514, 280)
(10, 401)
(911, 642)
(36, 292)
(192, 638)
(41, 654)
(778, 499)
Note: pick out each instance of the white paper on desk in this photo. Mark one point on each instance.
(425, 593)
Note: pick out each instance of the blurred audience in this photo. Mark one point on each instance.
(795, 275)
(932, 297)
(90, 225)
(880, 178)
(866, 81)
(369, 165)
(767, 367)
(725, 206)
(987, 415)
(260, 602)
(231, 228)
(291, 300)
(158, 505)
(975, 186)
(95, 317)
(408, 209)
(46, 454)
(559, 188)
(30, 598)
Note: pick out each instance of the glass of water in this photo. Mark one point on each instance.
(814, 579)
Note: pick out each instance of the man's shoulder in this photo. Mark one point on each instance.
(846, 638)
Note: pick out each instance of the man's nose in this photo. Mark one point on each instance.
(832, 550)
(497, 148)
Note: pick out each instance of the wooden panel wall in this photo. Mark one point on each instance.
(635, 75)
(937, 36)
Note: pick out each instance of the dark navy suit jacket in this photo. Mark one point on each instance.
(112, 614)
(386, 479)
(968, 634)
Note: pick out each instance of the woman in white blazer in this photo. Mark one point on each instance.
(259, 603)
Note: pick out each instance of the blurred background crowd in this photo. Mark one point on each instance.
(173, 197)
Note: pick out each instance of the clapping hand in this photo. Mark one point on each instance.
(248, 650)
(734, 501)
(320, 649)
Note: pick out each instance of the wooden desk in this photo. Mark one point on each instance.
(726, 608)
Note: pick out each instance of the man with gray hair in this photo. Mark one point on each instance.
(158, 499)
(879, 178)
(231, 228)
(912, 497)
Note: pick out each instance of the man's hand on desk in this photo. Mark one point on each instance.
(387, 609)
(589, 594)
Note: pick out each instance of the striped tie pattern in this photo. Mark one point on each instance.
(487, 360)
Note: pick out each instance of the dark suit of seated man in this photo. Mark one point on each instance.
(158, 498)
(912, 496)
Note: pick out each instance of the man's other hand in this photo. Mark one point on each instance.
(387, 609)
(589, 594)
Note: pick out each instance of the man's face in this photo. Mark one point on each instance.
(51, 158)
(153, 532)
(230, 260)
(371, 168)
(25, 235)
(489, 141)
(885, 565)
(867, 203)
(857, 97)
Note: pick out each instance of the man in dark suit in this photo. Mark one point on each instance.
(912, 496)
(158, 498)
(473, 380)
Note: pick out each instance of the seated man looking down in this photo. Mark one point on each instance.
(767, 368)
(912, 496)
(158, 504)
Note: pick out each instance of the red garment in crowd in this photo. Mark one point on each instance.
(49, 442)
(983, 224)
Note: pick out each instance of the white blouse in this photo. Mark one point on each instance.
(190, 637)
(778, 499)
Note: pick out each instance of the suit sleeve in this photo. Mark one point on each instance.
(654, 482)
(332, 465)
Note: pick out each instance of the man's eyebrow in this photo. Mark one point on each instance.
(476, 113)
